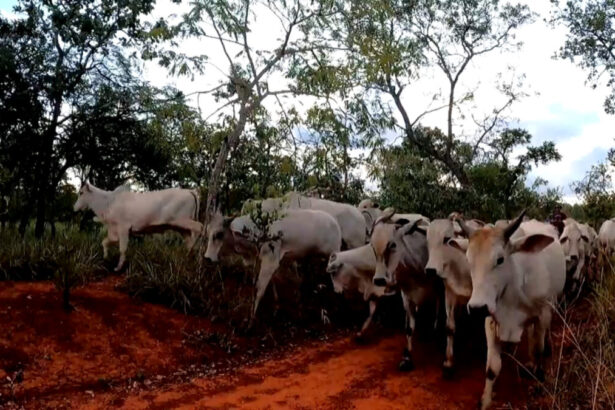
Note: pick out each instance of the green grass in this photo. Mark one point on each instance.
(29, 258)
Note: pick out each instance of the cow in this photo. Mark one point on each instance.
(371, 212)
(517, 274)
(450, 264)
(348, 217)
(227, 236)
(574, 243)
(400, 247)
(354, 269)
(124, 213)
(591, 247)
(606, 237)
(297, 234)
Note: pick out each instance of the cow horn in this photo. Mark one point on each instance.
(467, 230)
(513, 226)
(455, 215)
(386, 215)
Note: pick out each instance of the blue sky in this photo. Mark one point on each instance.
(560, 107)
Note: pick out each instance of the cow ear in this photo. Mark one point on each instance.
(400, 223)
(531, 243)
(459, 244)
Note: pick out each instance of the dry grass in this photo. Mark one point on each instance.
(583, 362)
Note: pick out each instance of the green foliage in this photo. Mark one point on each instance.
(497, 188)
(589, 41)
(596, 193)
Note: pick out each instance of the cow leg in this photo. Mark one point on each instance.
(261, 286)
(188, 225)
(494, 362)
(540, 332)
(372, 309)
(406, 363)
(450, 301)
(123, 235)
(105, 244)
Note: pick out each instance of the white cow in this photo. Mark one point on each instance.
(575, 244)
(517, 274)
(299, 233)
(124, 212)
(401, 255)
(227, 236)
(371, 212)
(451, 264)
(606, 236)
(354, 269)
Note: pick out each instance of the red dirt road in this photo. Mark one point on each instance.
(115, 351)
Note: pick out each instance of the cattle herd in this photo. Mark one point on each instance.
(511, 273)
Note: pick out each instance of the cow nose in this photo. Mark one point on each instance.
(380, 282)
(431, 272)
(574, 258)
(208, 259)
(479, 312)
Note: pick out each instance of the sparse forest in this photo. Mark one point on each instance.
(322, 98)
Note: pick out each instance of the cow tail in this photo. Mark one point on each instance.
(195, 194)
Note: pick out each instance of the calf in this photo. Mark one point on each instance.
(450, 264)
(354, 269)
(574, 243)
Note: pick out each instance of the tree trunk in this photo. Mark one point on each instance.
(230, 142)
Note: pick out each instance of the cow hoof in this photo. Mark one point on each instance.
(448, 372)
(406, 365)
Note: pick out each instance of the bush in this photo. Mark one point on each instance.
(28, 258)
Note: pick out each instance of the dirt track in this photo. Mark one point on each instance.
(117, 352)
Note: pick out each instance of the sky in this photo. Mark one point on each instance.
(560, 106)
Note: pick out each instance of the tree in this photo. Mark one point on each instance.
(65, 49)
(595, 191)
(246, 81)
(590, 41)
(497, 184)
(391, 44)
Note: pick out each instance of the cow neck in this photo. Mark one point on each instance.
(101, 200)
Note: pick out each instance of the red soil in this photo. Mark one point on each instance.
(115, 351)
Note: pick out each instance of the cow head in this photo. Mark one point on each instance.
(270, 255)
(488, 254)
(388, 243)
(83, 200)
(341, 274)
(573, 242)
(217, 231)
(442, 252)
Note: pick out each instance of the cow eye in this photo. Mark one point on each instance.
(446, 239)
(500, 260)
(392, 245)
(563, 239)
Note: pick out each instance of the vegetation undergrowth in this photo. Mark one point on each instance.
(583, 362)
